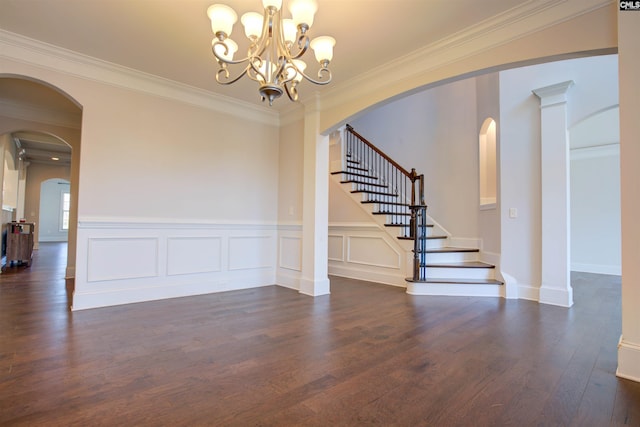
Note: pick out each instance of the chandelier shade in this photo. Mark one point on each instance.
(276, 46)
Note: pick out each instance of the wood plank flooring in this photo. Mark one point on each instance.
(365, 355)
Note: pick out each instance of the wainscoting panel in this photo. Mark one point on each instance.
(120, 261)
(289, 271)
(373, 251)
(122, 258)
(291, 253)
(248, 252)
(190, 255)
(367, 252)
(336, 247)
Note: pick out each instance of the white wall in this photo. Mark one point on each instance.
(595, 210)
(488, 105)
(10, 174)
(37, 174)
(50, 218)
(435, 132)
(178, 192)
(595, 89)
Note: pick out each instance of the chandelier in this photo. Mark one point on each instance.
(275, 47)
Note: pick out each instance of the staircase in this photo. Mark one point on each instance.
(397, 195)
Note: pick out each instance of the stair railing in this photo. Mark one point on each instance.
(406, 189)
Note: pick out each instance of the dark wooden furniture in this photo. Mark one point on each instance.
(20, 242)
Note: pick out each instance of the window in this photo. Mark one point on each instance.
(64, 217)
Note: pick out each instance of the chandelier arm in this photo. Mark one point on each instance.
(320, 80)
(224, 71)
(251, 67)
(226, 61)
(303, 45)
(292, 92)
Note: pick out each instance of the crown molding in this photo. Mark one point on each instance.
(47, 56)
(518, 22)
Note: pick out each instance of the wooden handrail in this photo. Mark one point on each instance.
(411, 175)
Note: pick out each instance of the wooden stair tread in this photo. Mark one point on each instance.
(393, 213)
(424, 238)
(363, 175)
(355, 181)
(465, 264)
(385, 203)
(450, 249)
(459, 281)
(380, 193)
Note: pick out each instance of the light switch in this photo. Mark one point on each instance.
(513, 212)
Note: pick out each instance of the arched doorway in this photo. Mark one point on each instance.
(38, 123)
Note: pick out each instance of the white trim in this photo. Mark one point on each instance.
(369, 275)
(614, 270)
(516, 23)
(352, 260)
(454, 289)
(528, 292)
(465, 242)
(314, 287)
(47, 56)
(628, 360)
(356, 226)
(607, 150)
(556, 296)
(172, 223)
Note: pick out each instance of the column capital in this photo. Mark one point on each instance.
(554, 94)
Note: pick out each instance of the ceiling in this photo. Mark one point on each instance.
(36, 147)
(172, 38)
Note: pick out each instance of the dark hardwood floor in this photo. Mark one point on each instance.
(365, 355)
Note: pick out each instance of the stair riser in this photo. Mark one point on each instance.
(435, 243)
(382, 198)
(446, 257)
(460, 273)
(359, 186)
(454, 289)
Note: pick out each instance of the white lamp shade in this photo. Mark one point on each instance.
(302, 11)
(232, 48)
(222, 18)
(289, 29)
(252, 22)
(323, 48)
(273, 3)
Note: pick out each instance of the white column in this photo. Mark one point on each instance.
(22, 188)
(554, 145)
(315, 206)
(629, 70)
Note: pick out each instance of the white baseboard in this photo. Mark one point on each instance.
(528, 292)
(454, 289)
(315, 287)
(615, 270)
(628, 360)
(87, 300)
(369, 275)
(556, 296)
(288, 279)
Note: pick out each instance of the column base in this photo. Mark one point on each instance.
(555, 296)
(315, 288)
(628, 360)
